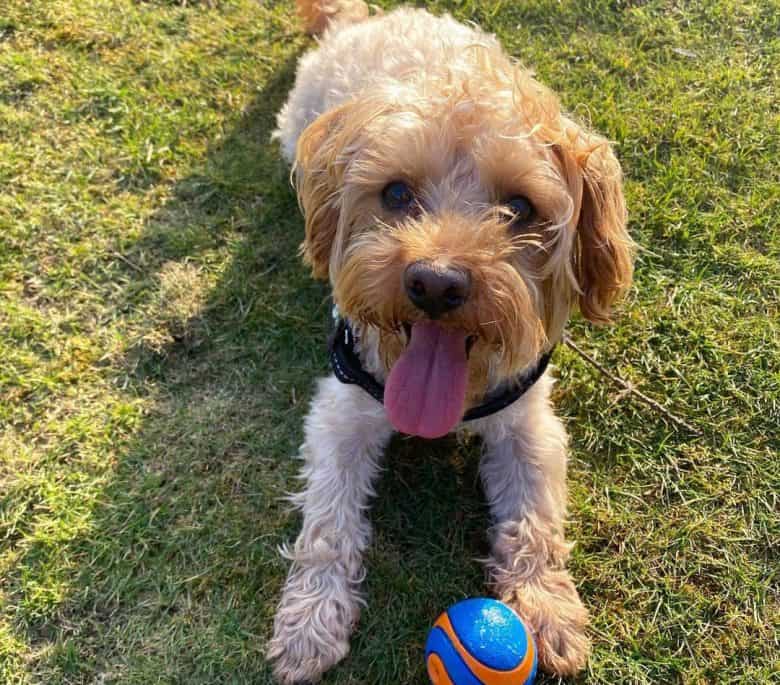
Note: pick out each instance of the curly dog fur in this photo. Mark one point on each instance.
(416, 140)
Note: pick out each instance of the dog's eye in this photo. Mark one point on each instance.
(397, 196)
(522, 210)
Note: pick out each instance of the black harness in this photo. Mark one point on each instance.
(347, 367)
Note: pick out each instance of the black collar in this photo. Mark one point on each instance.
(346, 365)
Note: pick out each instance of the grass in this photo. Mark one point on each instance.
(159, 340)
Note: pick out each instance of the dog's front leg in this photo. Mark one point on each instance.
(524, 475)
(345, 434)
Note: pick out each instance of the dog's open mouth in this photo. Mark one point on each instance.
(426, 388)
(407, 329)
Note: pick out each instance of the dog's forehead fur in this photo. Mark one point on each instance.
(454, 166)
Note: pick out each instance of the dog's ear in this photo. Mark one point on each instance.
(317, 184)
(603, 251)
(319, 168)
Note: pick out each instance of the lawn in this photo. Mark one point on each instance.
(159, 341)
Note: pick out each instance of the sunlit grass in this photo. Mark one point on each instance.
(159, 341)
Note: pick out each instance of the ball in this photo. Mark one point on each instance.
(480, 642)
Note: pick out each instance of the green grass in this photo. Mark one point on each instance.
(159, 341)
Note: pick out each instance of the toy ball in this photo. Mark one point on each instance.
(480, 642)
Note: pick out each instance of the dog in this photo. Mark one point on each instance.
(460, 218)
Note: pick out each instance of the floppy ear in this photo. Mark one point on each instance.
(319, 168)
(603, 253)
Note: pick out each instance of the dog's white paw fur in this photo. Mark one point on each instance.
(557, 619)
(312, 625)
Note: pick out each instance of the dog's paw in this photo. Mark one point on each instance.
(312, 627)
(557, 619)
(302, 651)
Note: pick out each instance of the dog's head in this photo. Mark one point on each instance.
(464, 218)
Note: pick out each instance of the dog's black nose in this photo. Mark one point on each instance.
(436, 289)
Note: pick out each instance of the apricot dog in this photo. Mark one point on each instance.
(460, 217)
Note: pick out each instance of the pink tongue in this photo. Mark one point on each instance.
(426, 389)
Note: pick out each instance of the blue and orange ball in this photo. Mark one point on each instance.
(480, 642)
